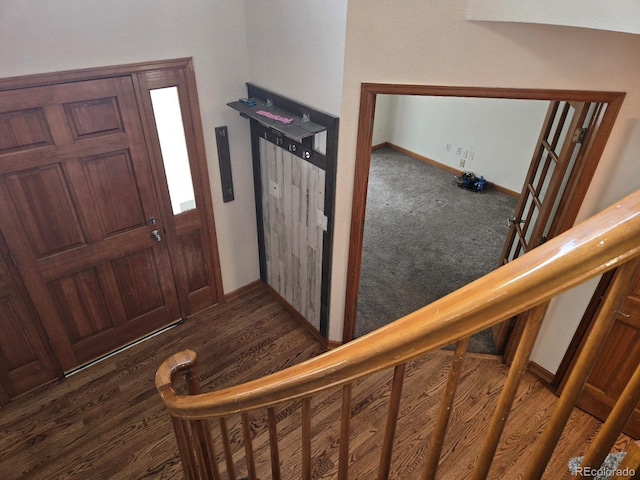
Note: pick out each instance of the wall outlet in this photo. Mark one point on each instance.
(462, 162)
(459, 151)
(447, 147)
(471, 155)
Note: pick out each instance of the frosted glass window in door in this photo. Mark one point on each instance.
(173, 144)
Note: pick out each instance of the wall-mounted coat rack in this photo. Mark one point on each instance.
(294, 150)
(289, 124)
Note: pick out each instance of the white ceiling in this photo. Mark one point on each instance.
(617, 16)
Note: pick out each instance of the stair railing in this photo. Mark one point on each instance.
(608, 240)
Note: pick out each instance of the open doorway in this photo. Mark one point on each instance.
(424, 236)
(564, 207)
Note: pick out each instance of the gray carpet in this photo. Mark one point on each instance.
(423, 238)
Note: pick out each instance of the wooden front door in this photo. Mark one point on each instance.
(617, 361)
(80, 215)
(538, 214)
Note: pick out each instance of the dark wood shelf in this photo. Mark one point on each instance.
(296, 130)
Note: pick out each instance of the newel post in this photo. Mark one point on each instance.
(193, 436)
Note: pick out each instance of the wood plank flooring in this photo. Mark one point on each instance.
(107, 422)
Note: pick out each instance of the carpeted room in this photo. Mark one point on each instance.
(425, 237)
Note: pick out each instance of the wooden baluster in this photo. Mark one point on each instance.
(595, 341)
(201, 431)
(343, 463)
(228, 454)
(630, 465)
(440, 428)
(184, 447)
(392, 422)
(273, 443)
(205, 452)
(306, 438)
(516, 371)
(248, 447)
(617, 419)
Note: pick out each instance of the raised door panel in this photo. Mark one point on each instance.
(24, 130)
(80, 299)
(42, 198)
(77, 213)
(94, 118)
(621, 348)
(114, 192)
(198, 284)
(24, 360)
(137, 277)
(616, 363)
(21, 350)
(192, 253)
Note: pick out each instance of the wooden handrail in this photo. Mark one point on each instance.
(605, 241)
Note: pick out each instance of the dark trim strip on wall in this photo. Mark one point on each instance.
(257, 185)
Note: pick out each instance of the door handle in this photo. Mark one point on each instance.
(512, 220)
(155, 235)
(625, 315)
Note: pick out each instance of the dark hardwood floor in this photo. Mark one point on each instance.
(108, 422)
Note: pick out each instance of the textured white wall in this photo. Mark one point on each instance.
(383, 118)
(618, 16)
(497, 137)
(52, 35)
(296, 48)
(413, 41)
(398, 41)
